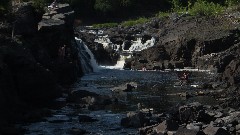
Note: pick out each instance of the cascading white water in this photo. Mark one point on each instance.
(87, 59)
(105, 41)
(139, 46)
(135, 47)
(119, 65)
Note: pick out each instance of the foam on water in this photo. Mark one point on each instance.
(139, 46)
(119, 65)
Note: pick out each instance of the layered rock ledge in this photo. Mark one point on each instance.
(32, 72)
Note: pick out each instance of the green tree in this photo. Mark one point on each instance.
(202, 7)
(232, 2)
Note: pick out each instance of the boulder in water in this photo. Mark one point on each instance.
(85, 118)
(134, 119)
(165, 126)
(77, 95)
(128, 87)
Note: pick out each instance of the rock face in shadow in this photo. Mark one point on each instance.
(26, 20)
(30, 81)
(32, 71)
(232, 72)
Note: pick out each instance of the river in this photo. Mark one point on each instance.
(153, 89)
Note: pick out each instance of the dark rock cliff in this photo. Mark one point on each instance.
(32, 72)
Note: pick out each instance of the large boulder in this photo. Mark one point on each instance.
(232, 72)
(134, 119)
(193, 112)
(210, 130)
(77, 95)
(166, 126)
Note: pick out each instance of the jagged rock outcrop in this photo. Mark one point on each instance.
(31, 68)
(190, 41)
(56, 31)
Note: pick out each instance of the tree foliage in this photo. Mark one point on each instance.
(206, 8)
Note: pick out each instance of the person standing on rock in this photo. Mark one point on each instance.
(61, 53)
(54, 4)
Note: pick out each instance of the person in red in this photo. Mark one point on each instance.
(185, 76)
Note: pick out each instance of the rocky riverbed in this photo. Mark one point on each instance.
(150, 102)
(33, 73)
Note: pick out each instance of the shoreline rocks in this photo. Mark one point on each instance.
(196, 119)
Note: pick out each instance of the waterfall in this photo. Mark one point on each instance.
(88, 62)
(136, 46)
(119, 65)
(105, 41)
